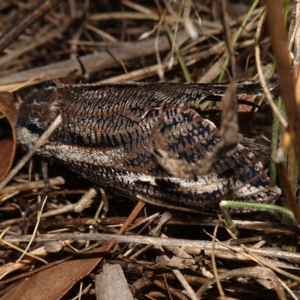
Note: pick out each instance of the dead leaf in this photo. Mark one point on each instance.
(8, 139)
(56, 281)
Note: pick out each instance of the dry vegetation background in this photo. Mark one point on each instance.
(113, 41)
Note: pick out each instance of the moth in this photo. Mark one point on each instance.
(108, 132)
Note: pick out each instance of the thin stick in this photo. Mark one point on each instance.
(185, 285)
(146, 240)
(94, 62)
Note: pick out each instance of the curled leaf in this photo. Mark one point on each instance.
(7, 133)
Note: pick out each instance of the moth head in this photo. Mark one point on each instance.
(39, 109)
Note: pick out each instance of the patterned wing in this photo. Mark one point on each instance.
(108, 132)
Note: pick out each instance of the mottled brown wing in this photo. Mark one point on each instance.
(107, 137)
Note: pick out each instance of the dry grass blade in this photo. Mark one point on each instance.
(11, 35)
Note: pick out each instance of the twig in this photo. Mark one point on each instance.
(185, 285)
(204, 245)
(95, 62)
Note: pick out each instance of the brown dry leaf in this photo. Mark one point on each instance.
(56, 281)
(8, 140)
